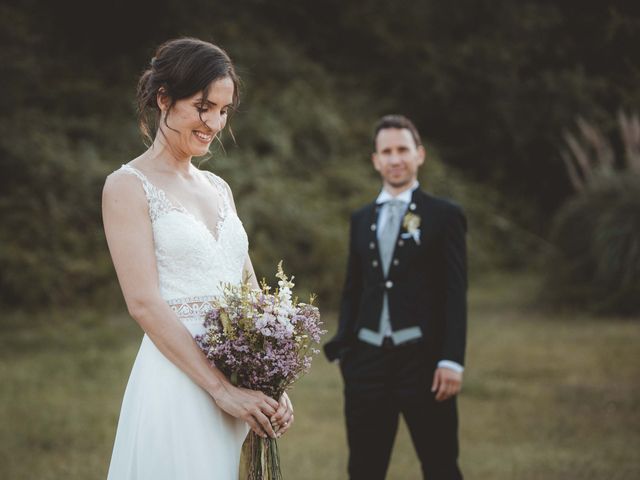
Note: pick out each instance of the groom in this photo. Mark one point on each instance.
(402, 326)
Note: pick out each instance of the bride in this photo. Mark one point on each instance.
(175, 237)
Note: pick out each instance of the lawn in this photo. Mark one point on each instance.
(546, 395)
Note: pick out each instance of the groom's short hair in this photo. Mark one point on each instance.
(396, 121)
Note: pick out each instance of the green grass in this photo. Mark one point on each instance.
(547, 395)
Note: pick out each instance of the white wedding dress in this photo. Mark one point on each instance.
(169, 427)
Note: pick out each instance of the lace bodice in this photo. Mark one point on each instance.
(192, 261)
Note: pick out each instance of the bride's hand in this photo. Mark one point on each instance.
(283, 419)
(252, 406)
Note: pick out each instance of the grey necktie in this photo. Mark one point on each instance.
(389, 232)
(387, 242)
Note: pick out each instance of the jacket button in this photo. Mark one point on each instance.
(372, 245)
(412, 207)
(400, 243)
(388, 284)
(374, 263)
(373, 227)
(396, 262)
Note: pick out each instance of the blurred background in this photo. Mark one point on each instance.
(529, 112)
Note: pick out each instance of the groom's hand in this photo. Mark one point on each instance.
(446, 383)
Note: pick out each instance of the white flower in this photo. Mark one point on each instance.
(289, 329)
(265, 320)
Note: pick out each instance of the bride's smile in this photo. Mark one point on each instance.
(188, 126)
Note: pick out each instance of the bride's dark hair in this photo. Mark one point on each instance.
(179, 69)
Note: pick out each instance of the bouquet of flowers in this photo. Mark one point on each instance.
(263, 341)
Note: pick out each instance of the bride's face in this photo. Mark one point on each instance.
(194, 123)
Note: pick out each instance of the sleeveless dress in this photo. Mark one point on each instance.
(169, 427)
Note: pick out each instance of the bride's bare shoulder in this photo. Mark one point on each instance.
(122, 185)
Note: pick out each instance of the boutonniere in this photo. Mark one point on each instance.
(411, 223)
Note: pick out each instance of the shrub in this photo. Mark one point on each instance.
(596, 263)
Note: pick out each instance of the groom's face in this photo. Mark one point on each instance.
(397, 157)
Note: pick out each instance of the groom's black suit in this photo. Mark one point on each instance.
(426, 287)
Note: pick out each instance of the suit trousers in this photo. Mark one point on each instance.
(381, 383)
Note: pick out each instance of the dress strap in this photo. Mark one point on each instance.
(156, 198)
(221, 186)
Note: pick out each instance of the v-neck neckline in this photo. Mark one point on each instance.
(177, 205)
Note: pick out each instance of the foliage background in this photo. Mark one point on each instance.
(490, 85)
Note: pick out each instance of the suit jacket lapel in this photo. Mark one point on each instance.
(413, 208)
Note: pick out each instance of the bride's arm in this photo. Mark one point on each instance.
(130, 238)
(249, 274)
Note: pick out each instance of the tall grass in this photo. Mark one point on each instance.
(546, 396)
